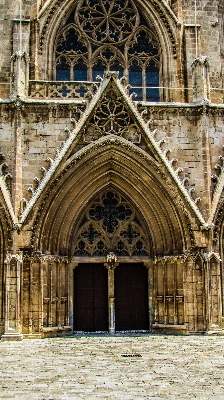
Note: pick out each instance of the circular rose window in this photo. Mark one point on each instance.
(107, 21)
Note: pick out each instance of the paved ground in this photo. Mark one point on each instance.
(119, 367)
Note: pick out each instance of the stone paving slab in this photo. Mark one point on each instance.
(117, 367)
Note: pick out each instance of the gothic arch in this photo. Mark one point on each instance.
(163, 23)
(110, 224)
(109, 166)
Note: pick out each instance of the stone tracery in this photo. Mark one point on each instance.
(110, 224)
(110, 36)
(112, 117)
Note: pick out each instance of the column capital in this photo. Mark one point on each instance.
(18, 257)
(111, 261)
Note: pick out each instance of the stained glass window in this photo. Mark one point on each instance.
(62, 70)
(110, 35)
(80, 70)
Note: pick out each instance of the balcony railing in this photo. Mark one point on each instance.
(62, 90)
(71, 90)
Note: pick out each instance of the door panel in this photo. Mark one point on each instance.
(100, 298)
(131, 297)
(90, 298)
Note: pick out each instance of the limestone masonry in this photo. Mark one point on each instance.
(111, 167)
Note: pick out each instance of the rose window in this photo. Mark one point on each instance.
(107, 21)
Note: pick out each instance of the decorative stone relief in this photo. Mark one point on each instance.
(112, 117)
(110, 225)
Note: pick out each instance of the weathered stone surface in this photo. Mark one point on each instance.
(85, 170)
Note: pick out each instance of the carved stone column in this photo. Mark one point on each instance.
(19, 74)
(111, 265)
(213, 294)
(12, 297)
(201, 83)
(72, 266)
(149, 266)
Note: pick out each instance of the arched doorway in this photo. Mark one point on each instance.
(111, 297)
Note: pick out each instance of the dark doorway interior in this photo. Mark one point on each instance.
(90, 298)
(131, 297)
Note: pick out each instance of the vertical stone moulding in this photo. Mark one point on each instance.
(213, 295)
(12, 297)
(19, 75)
(201, 80)
(111, 265)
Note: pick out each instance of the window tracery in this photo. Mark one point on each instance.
(109, 35)
(112, 117)
(110, 224)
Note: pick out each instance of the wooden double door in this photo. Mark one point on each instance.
(91, 297)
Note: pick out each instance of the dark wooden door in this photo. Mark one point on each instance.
(131, 297)
(90, 298)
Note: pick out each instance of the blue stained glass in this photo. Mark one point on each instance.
(96, 73)
(152, 78)
(82, 91)
(135, 78)
(62, 75)
(117, 66)
(80, 75)
(152, 94)
(138, 91)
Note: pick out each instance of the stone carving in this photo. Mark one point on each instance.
(111, 260)
(62, 91)
(112, 117)
(5, 176)
(106, 20)
(110, 224)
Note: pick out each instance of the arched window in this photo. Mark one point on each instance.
(98, 68)
(110, 35)
(62, 69)
(80, 70)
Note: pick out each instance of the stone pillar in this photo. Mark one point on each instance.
(201, 82)
(149, 266)
(72, 266)
(189, 293)
(19, 75)
(12, 297)
(111, 265)
(213, 294)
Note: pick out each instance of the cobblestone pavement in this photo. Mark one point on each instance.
(118, 367)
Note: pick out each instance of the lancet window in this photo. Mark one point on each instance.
(110, 36)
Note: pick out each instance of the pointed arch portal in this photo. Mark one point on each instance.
(105, 297)
(113, 191)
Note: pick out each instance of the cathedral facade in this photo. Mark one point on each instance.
(112, 167)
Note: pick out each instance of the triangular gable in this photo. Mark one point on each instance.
(98, 120)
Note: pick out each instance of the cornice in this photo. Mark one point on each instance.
(185, 109)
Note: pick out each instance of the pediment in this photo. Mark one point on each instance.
(111, 113)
